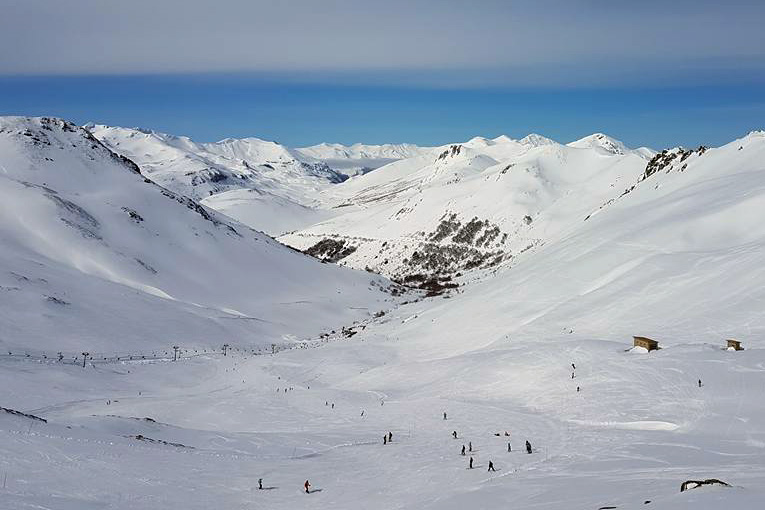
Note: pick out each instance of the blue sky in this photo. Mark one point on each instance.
(428, 72)
(216, 106)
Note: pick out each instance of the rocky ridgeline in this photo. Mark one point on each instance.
(670, 159)
(666, 161)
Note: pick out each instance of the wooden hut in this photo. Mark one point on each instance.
(735, 345)
(647, 343)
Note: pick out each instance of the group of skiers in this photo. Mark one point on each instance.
(464, 452)
(388, 438)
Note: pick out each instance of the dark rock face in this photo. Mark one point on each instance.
(668, 159)
(330, 250)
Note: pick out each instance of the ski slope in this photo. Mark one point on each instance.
(671, 249)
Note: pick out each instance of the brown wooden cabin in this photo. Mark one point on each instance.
(641, 341)
(735, 344)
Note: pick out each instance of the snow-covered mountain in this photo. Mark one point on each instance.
(570, 252)
(92, 250)
(271, 187)
(199, 170)
(358, 159)
(264, 184)
(607, 145)
(474, 205)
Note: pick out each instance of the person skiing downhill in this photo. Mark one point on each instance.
(260, 484)
(491, 466)
(385, 438)
(454, 433)
(463, 450)
(528, 447)
(444, 415)
(307, 485)
(471, 463)
(699, 383)
(390, 437)
(470, 446)
(509, 448)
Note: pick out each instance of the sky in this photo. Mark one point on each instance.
(429, 72)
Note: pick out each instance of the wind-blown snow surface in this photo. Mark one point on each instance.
(678, 257)
(96, 257)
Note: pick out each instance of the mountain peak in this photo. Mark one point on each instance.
(503, 139)
(535, 140)
(602, 142)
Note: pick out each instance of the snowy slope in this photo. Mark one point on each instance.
(263, 184)
(472, 205)
(673, 250)
(92, 251)
(271, 187)
(199, 170)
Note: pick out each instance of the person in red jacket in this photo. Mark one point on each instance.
(307, 485)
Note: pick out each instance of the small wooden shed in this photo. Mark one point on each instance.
(735, 344)
(647, 343)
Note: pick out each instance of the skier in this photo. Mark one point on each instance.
(326, 403)
(577, 389)
(390, 437)
(470, 446)
(573, 366)
(471, 463)
(491, 466)
(699, 383)
(333, 405)
(507, 434)
(463, 450)
(362, 413)
(528, 447)
(444, 415)
(260, 484)
(307, 485)
(385, 439)
(454, 433)
(509, 448)
(572, 375)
